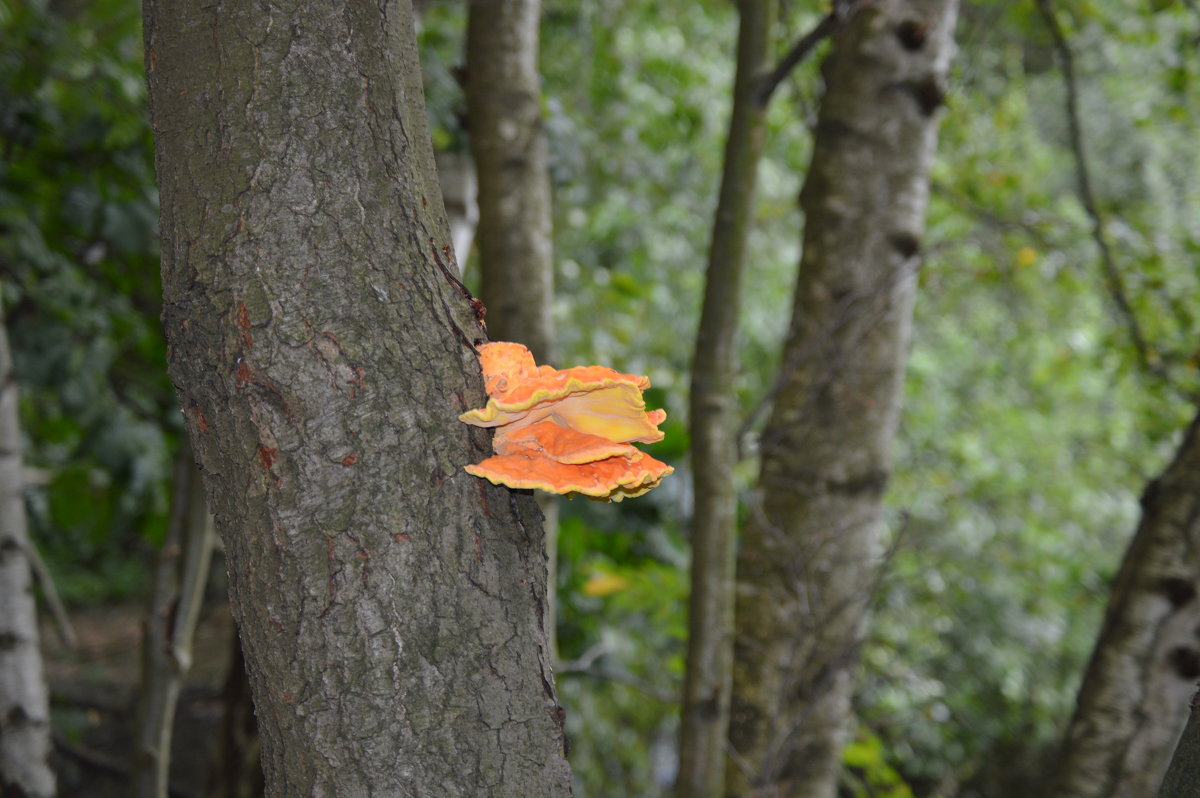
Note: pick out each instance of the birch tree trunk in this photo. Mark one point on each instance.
(509, 146)
(24, 700)
(810, 548)
(1133, 703)
(708, 679)
(514, 228)
(392, 607)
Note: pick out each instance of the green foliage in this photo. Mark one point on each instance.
(868, 771)
(78, 265)
(621, 592)
(1031, 424)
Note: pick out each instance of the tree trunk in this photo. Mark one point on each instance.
(1183, 774)
(24, 700)
(509, 145)
(1133, 703)
(811, 545)
(713, 423)
(514, 233)
(392, 606)
(175, 607)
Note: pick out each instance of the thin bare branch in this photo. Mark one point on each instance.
(842, 10)
(1147, 356)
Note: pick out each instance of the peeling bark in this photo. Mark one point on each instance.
(811, 545)
(392, 607)
(1133, 702)
(24, 699)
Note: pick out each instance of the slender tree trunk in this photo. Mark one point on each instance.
(174, 611)
(509, 146)
(811, 545)
(709, 665)
(1133, 703)
(391, 606)
(24, 701)
(514, 232)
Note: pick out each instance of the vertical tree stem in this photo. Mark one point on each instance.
(174, 611)
(709, 664)
(24, 701)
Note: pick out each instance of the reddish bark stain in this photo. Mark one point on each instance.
(243, 374)
(483, 500)
(357, 382)
(201, 421)
(349, 459)
(400, 537)
(267, 457)
(244, 325)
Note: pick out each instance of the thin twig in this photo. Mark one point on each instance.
(629, 680)
(45, 580)
(842, 10)
(1112, 275)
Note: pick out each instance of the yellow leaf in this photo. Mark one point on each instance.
(601, 584)
(1027, 256)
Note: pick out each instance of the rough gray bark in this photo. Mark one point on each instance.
(24, 700)
(392, 607)
(713, 425)
(514, 228)
(1133, 702)
(810, 548)
(1183, 774)
(179, 582)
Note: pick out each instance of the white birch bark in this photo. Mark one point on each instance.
(24, 701)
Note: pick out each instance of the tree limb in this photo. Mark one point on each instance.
(842, 10)
(1146, 355)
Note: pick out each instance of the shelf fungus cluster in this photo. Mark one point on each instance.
(568, 431)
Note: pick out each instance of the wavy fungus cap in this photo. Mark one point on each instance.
(565, 431)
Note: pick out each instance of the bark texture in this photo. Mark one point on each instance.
(811, 544)
(1183, 774)
(509, 145)
(709, 666)
(391, 607)
(1133, 703)
(24, 700)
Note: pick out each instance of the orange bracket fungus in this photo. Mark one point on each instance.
(568, 431)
